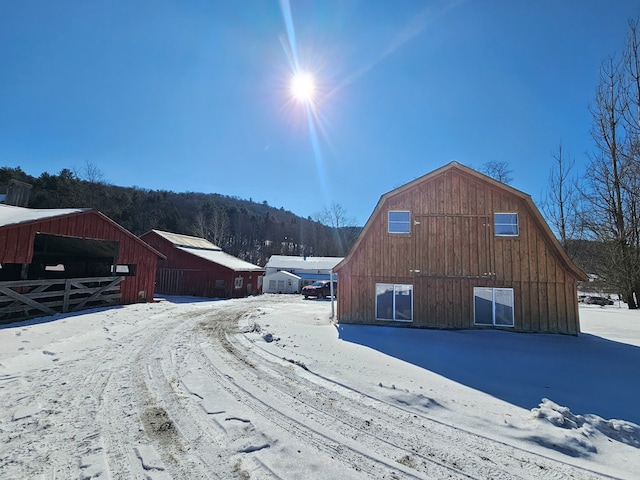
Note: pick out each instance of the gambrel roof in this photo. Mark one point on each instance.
(528, 202)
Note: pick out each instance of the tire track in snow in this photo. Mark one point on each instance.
(92, 413)
(131, 403)
(399, 429)
(480, 455)
(308, 427)
(200, 440)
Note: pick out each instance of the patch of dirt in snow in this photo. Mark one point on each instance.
(157, 423)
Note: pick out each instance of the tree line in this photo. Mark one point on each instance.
(243, 228)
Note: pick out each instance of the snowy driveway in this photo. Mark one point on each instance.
(258, 388)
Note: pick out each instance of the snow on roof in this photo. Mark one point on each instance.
(283, 273)
(224, 259)
(312, 263)
(10, 215)
(179, 240)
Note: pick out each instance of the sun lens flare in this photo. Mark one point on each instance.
(303, 87)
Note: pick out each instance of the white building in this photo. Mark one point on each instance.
(281, 282)
(306, 269)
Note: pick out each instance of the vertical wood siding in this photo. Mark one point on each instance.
(16, 246)
(450, 250)
(197, 275)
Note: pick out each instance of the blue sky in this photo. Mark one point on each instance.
(193, 95)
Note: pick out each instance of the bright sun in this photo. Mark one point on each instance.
(303, 87)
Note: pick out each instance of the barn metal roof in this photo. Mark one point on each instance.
(205, 249)
(187, 241)
(10, 215)
(544, 227)
(224, 259)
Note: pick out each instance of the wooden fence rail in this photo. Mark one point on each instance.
(24, 299)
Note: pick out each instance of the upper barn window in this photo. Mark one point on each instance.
(506, 224)
(399, 221)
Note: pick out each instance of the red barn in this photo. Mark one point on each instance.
(195, 266)
(81, 254)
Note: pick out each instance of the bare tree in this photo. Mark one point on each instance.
(200, 226)
(631, 64)
(343, 228)
(212, 223)
(613, 174)
(561, 205)
(499, 171)
(91, 173)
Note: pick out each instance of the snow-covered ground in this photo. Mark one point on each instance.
(269, 388)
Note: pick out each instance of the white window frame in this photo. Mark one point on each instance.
(123, 269)
(399, 223)
(394, 287)
(510, 224)
(238, 282)
(493, 306)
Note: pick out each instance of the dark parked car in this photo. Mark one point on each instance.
(320, 289)
(598, 301)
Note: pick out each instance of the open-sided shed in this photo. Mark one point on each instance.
(195, 266)
(56, 260)
(457, 249)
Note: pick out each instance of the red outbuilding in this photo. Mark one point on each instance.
(59, 260)
(195, 266)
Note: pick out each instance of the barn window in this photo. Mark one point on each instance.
(272, 285)
(399, 221)
(238, 282)
(505, 224)
(493, 306)
(394, 302)
(123, 269)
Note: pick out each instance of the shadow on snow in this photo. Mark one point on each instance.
(588, 374)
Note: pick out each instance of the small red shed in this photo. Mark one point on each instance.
(195, 266)
(74, 251)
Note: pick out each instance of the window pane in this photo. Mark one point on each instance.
(504, 306)
(483, 306)
(384, 301)
(399, 222)
(506, 224)
(403, 303)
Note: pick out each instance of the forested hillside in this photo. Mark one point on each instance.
(249, 230)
